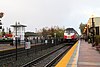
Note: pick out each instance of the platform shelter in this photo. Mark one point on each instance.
(19, 32)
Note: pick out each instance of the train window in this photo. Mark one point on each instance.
(71, 31)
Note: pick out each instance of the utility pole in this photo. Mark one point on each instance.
(16, 40)
(93, 27)
(55, 38)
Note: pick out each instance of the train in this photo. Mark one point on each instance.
(70, 35)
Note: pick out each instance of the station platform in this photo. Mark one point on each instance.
(81, 54)
(5, 47)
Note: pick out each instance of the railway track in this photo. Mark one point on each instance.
(48, 59)
(20, 51)
(8, 58)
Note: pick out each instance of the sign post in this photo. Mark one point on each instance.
(27, 46)
(16, 40)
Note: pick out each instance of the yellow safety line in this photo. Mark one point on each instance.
(64, 61)
(7, 49)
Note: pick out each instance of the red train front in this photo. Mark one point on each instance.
(70, 35)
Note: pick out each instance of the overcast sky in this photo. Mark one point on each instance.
(41, 13)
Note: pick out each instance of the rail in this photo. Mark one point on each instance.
(45, 56)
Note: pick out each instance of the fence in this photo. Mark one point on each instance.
(39, 45)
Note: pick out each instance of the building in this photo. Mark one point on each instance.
(1, 15)
(96, 21)
(19, 32)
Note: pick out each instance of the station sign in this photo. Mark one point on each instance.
(27, 45)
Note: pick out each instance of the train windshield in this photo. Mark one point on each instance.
(69, 31)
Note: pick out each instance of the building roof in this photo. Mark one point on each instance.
(31, 34)
(18, 26)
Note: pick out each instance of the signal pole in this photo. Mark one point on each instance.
(93, 27)
(16, 40)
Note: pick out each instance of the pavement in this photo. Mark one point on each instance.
(5, 47)
(70, 58)
(88, 56)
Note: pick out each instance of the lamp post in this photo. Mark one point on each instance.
(55, 38)
(93, 26)
(16, 40)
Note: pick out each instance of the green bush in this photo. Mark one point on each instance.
(97, 39)
(6, 40)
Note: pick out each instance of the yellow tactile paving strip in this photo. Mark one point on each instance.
(64, 61)
(8, 47)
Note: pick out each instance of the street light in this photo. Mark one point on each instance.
(93, 26)
(16, 40)
(55, 38)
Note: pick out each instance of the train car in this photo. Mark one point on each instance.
(70, 35)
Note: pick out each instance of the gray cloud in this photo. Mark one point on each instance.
(41, 13)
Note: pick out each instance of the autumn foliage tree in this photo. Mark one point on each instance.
(82, 26)
(50, 31)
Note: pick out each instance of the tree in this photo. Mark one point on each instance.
(82, 26)
(50, 31)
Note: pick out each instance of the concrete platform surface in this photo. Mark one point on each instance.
(88, 56)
